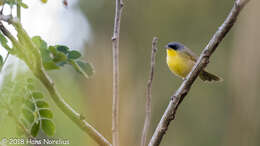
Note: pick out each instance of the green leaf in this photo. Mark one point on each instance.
(35, 129)
(30, 105)
(1, 61)
(19, 2)
(37, 95)
(87, 67)
(74, 55)
(47, 60)
(30, 87)
(24, 5)
(53, 49)
(50, 65)
(28, 115)
(63, 49)
(60, 57)
(48, 127)
(29, 80)
(11, 2)
(46, 113)
(3, 39)
(46, 56)
(42, 104)
(41, 44)
(4, 42)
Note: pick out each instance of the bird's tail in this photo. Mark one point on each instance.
(206, 76)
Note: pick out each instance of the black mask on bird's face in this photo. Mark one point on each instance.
(175, 46)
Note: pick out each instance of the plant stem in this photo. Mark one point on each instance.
(115, 49)
(68, 110)
(18, 12)
(29, 53)
(149, 94)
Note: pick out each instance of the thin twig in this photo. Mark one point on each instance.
(115, 49)
(201, 63)
(149, 94)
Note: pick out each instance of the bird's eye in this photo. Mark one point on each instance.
(174, 47)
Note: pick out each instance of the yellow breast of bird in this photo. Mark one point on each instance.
(179, 64)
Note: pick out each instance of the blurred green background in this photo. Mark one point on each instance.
(220, 114)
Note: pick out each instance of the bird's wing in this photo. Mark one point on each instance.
(188, 53)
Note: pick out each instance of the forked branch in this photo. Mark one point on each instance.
(201, 63)
(148, 107)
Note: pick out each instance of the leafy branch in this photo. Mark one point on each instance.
(31, 53)
(201, 63)
(36, 114)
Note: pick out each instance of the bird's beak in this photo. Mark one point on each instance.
(166, 47)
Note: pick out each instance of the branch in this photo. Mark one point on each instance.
(14, 41)
(149, 94)
(69, 111)
(41, 74)
(201, 63)
(115, 48)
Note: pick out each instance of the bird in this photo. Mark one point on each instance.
(181, 59)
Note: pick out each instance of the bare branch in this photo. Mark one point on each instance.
(201, 63)
(115, 48)
(149, 94)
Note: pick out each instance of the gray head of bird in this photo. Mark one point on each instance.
(175, 46)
